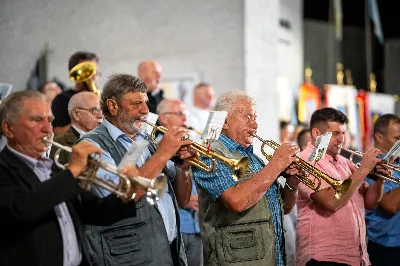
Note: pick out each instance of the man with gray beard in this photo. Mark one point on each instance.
(153, 236)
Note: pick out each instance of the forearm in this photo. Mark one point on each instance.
(289, 198)
(182, 187)
(391, 201)
(374, 194)
(246, 194)
(327, 199)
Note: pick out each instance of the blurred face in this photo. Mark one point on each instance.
(386, 140)
(205, 97)
(150, 73)
(286, 134)
(51, 90)
(133, 107)
(175, 115)
(33, 123)
(241, 123)
(338, 131)
(88, 116)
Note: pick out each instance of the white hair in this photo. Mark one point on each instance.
(78, 100)
(164, 105)
(227, 101)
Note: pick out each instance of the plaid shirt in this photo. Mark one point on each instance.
(217, 182)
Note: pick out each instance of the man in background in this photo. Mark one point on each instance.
(50, 90)
(85, 113)
(383, 222)
(150, 73)
(59, 106)
(203, 102)
(172, 113)
(303, 138)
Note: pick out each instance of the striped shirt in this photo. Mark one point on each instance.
(217, 182)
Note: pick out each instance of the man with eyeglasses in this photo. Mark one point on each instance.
(85, 113)
(172, 113)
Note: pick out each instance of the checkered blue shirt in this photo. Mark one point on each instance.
(219, 181)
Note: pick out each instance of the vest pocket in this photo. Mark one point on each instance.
(126, 245)
(243, 242)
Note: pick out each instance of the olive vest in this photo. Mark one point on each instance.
(140, 240)
(236, 238)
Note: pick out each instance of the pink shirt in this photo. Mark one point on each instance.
(323, 235)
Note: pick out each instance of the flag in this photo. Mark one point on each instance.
(374, 16)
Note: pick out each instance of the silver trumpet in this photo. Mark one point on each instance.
(155, 187)
(356, 158)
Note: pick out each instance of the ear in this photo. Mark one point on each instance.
(162, 118)
(225, 125)
(315, 133)
(6, 128)
(112, 107)
(75, 115)
(378, 137)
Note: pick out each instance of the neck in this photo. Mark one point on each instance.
(199, 105)
(79, 126)
(114, 121)
(382, 149)
(19, 148)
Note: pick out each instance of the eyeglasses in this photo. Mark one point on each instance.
(179, 113)
(93, 110)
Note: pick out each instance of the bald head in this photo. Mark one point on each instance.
(150, 73)
(172, 113)
(84, 110)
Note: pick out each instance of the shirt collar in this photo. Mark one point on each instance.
(31, 162)
(80, 131)
(232, 145)
(116, 133)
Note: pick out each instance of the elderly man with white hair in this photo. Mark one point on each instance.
(241, 221)
(85, 113)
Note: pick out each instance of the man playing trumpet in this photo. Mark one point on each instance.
(332, 231)
(241, 222)
(383, 223)
(152, 237)
(42, 212)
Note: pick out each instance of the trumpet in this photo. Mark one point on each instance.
(356, 157)
(155, 187)
(238, 166)
(339, 186)
(84, 72)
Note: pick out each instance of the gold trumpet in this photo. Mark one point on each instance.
(356, 157)
(84, 72)
(155, 187)
(339, 186)
(238, 166)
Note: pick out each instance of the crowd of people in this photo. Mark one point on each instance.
(267, 217)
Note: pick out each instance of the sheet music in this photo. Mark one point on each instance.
(215, 121)
(152, 118)
(320, 147)
(394, 151)
(134, 155)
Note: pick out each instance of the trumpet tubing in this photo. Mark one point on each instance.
(339, 186)
(155, 187)
(238, 167)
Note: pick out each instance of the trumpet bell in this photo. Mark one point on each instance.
(84, 72)
(341, 188)
(239, 168)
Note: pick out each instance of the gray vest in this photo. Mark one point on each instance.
(230, 238)
(139, 240)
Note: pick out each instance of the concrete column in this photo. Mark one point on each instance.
(260, 63)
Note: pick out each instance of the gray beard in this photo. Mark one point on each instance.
(129, 124)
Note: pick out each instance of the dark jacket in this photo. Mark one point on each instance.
(67, 139)
(154, 101)
(29, 229)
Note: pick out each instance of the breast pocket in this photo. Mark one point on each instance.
(127, 245)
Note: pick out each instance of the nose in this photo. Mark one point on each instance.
(47, 127)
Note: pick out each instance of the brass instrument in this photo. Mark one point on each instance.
(238, 166)
(339, 186)
(83, 72)
(356, 157)
(155, 187)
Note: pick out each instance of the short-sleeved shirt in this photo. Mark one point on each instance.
(324, 235)
(217, 182)
(383, 228)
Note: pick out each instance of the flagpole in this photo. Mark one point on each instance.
(368, 45)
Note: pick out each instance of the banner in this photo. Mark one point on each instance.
(343, 98)
(309, 102)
